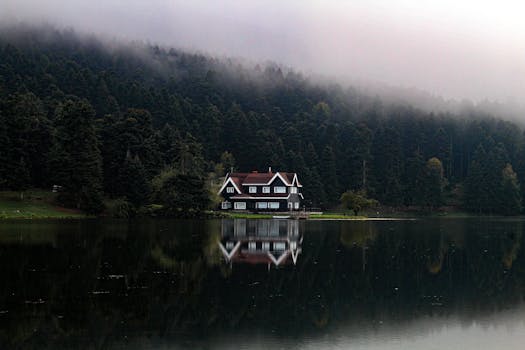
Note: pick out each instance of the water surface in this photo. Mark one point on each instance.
(221, 284)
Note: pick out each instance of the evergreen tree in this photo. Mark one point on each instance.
(75, 156)
(387, 167)
(133, 183)
(432, 183)
(442, 150)
(510, 192)
(413, 179)
(329, 176)
(228, 162)
(4, 152)
(313, 186)
(476, 186)
(22, 121)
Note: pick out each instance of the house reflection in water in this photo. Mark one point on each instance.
(264, 241)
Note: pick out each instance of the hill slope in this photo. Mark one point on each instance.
(146, 108)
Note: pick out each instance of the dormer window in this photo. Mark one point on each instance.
(252, 189)
(293, 189)
(230, 189)
(279, 189)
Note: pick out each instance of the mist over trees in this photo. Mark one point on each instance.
(146, 124)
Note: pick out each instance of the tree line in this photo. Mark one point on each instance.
(143, 124)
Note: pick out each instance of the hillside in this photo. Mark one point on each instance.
(105, 119)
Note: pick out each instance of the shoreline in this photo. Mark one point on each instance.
(40, 205)
(77, 217)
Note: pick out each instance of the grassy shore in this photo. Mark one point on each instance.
(246, 216)
(324, 216)
(34, 205)
(336, 216)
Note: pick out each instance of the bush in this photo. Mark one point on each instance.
(120, 208)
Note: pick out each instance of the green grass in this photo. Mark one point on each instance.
(248, 216)
(35, 205)
(331, 216)
(336, 216)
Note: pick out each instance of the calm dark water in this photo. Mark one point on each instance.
(427, 284)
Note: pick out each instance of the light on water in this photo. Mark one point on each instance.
(259, 284)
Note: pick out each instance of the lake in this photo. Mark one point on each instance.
(261, 284)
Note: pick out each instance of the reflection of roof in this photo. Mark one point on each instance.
(239, 252)
(261, 258)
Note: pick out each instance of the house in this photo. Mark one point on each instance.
(269, 191)
(269, 242)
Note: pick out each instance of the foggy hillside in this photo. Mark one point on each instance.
(154, 107)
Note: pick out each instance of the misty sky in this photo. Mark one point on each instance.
(460, 49)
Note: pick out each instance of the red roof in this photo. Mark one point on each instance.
(256, 178)
(238, 180)
(260, 178)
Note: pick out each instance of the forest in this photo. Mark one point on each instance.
(145, 125)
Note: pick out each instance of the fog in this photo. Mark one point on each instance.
(461, 50)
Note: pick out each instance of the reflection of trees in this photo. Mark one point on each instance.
(359, 233)
(167, 278)
(512, 246)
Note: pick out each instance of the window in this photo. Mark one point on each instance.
(273, 205)
(266, 189)
(252, 189)
(262, 205)
(252, 245)
(240, 205)
(279, 189)
(274, 228)
(226, 205)
(279, 246)
(229, 189)
(296, 205)
(266, 246)
(293, 189)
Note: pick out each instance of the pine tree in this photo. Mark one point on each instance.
(476, 186)
(328, 172)
(387, 167)
(432, 183)
(412, 180)
(443, 149)
(22, 112)
(510, 194)
(75, 156)
(4, 151)
(313, 186)
(227, 161)
(133, 183)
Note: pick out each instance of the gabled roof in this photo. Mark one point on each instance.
(234, 181)
(261, 179)
(258, 178)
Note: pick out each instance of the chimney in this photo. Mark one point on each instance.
(269, 169)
